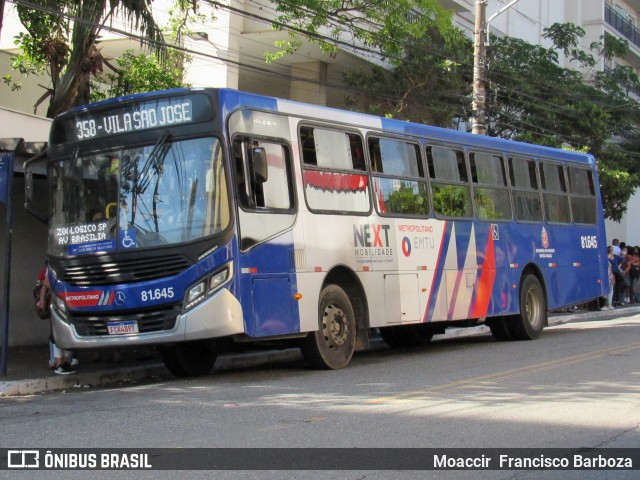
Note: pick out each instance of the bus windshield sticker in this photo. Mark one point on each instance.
(92, 247)
(128, 238)
(83, 233)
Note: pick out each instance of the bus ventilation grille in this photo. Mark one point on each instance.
(124, 271)
(158, 319)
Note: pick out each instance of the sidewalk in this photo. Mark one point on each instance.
(28, 373)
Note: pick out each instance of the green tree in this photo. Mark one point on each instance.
(384, 26)
(431, 85)
(137, 73)
(531, 98)
(534, 99)
(61, 39)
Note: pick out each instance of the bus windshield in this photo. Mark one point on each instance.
(131, 198)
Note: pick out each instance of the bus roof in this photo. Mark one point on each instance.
(232, 99)
(438, 134)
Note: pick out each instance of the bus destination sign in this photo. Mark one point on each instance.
(163, 112)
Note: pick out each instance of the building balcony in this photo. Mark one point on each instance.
(632, 90)
(623, 26)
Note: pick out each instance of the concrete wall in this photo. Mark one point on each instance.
(15, 124)
(29, 244)
(29, 236)
(628, 229)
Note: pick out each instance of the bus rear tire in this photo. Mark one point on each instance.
(189, 359)
(500, 328)
(332, 345)
(406, 335)
(533, 311)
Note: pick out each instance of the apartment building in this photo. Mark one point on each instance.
(230, 51)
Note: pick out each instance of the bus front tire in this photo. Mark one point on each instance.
(189, 359)
(332, 345)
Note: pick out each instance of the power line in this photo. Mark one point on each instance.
(263, 70)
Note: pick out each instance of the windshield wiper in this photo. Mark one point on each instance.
(155, 160)
(142, 179)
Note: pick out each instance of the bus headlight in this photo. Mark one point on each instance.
(60, 305)
(218, 279)
(201, 290)
(196, 292)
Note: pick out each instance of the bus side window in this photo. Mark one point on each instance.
(333, 173)
(583, 195)
(308, 146)
(490, 192)
(240, 172)
(524, 184)
(277, 191)
(556, 200)
(450, 192)
(399, 183)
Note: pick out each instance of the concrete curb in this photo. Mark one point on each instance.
(81, 380)
(116, 375)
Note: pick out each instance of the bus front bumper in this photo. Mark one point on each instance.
(218, 316)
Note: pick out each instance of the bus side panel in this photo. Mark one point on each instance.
(267, 285)
(578, 264)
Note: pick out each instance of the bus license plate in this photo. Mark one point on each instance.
(122, 328)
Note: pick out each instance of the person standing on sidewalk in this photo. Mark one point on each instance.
(618, 295)
(61, 358)
(633, 258)
(612, 280)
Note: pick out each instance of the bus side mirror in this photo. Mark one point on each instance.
(259, 160)
(28, 189)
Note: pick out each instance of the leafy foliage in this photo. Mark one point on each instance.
(386, 26)
(431, 85)
(137, 73)
(534, 99)
(531, 98)
(62, 39)
(409, 198)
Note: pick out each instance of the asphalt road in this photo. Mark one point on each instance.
(576, 387)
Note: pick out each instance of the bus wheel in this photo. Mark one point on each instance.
(331, 346)
(406, 335)
(533, 311)
(189, 359)
(500, 328)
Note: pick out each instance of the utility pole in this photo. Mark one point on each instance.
(479, 101)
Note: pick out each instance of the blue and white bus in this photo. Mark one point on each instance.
(192, 219)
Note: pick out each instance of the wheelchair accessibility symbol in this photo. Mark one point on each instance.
(128, 239)
(494, 232)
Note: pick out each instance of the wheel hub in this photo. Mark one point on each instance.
(335, 325)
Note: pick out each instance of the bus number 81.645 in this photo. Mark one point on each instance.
(157, 294)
